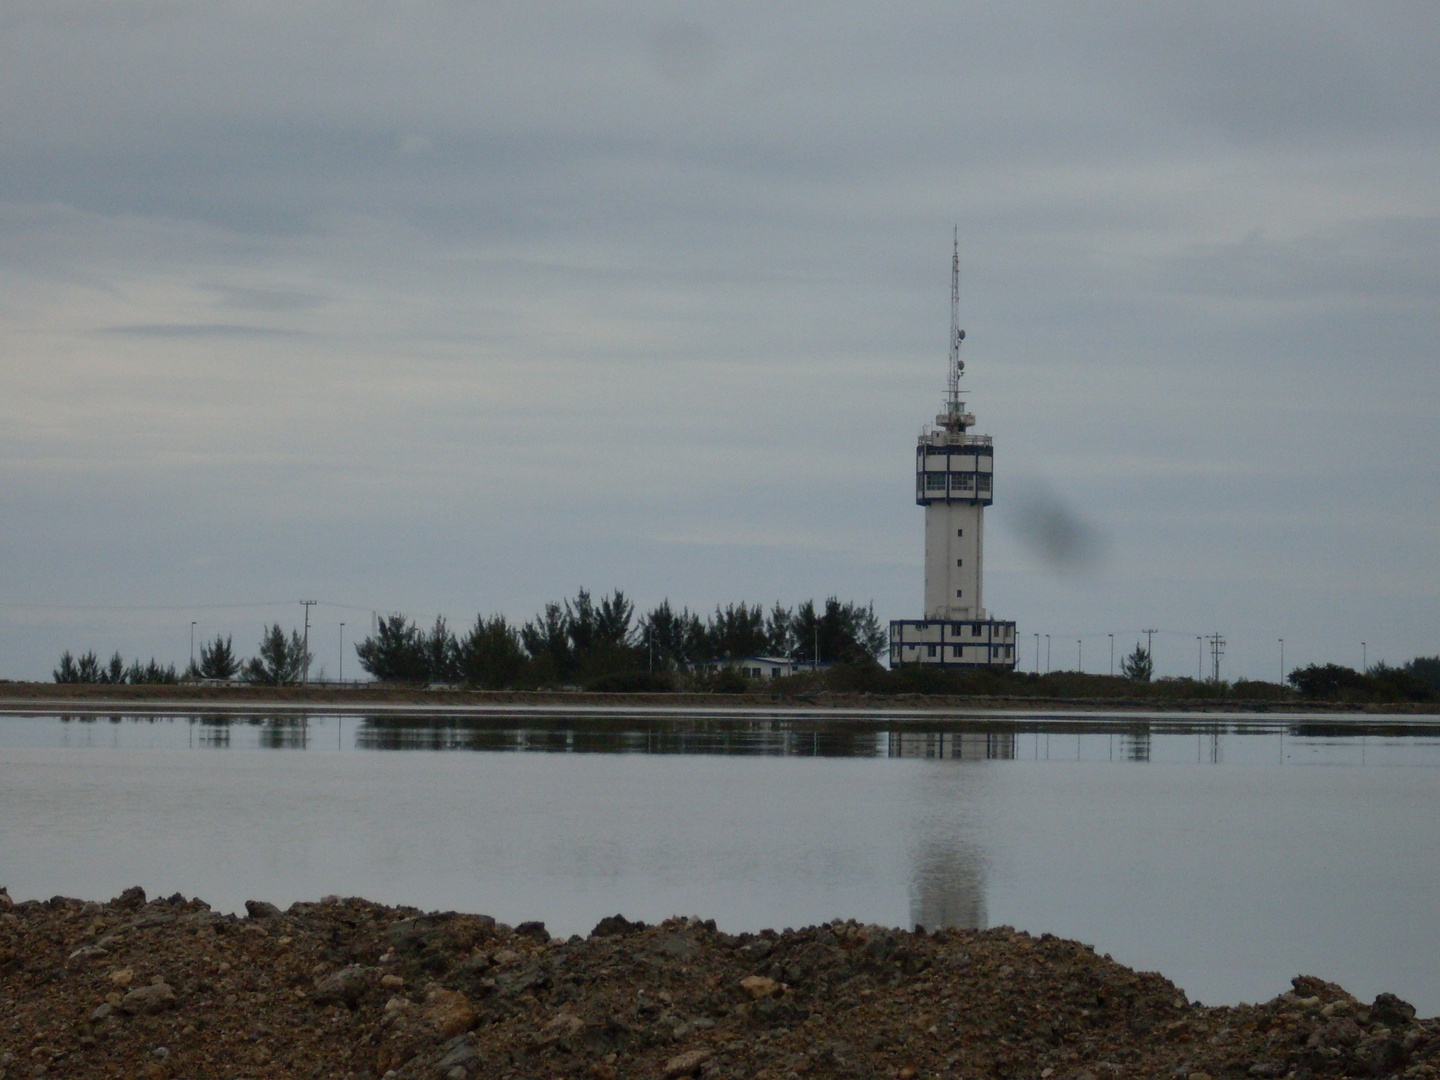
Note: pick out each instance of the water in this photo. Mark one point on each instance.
(1228, 852)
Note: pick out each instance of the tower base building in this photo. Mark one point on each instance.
(954, 482)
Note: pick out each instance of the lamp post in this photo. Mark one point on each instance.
(192, 644)
(1282, 661)
(1199, 656)
(1079, 655)
(1364, 658)
(1112, 654)
(1037, 654)
(341, 675)
(1047, 654)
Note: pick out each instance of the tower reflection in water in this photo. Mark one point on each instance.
(947, 882)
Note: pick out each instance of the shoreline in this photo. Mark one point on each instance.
(21, 696)
(348, 988)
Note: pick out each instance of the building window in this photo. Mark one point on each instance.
(959, 532)
(932, 650)
(975, 629)
(934, 481)
(959, 562)
(984, 481)
(959, 593)
(962, 482)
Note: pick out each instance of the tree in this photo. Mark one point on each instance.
(1426, 669)
(1138, 667)
(490, 655)
(218, 660)
(398, 652)
(279, 660)
(441, 654)
(670, 638)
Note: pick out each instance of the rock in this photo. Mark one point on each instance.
(344, 986)
(1392, 1011)
(533, 930)
(5, 902)
(86, 953)
(448, 1011)
(458, 1051)
(680, 946)
(157, 997)
(758, 986)
(102, 1012)
(262, 909)
(151, 918)
(122, 976)
(505, 957)
(392, 982)
(686, 1064)
(563, 1026)
(616, 926)
(132, 899)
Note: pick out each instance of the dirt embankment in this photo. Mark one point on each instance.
(346, 988)
(217, 697)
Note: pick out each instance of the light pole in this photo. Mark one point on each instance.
(1079, 655)
(1047, 654)
(1364, 658)
(192, 644)
(1112, 654)
(1199, 656)
(341, 675)
(1282, 661)
(1037, 654)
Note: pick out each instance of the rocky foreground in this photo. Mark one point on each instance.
(347, 988)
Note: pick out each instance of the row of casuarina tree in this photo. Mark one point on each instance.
(279, 660)
(602, 644)
(581, 641)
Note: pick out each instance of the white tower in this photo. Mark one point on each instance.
(954, 481)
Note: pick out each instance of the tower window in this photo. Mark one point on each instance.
(959, 562)
(934, 481)
(932, 650)
(984, 481)
(959, 592)
(962, 481)
(959, 532)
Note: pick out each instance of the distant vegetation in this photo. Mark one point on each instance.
(603, 646)
(88, 669)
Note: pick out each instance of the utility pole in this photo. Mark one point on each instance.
(1148, 652)
(1282, 661)
(305, 673)
(1037, 654)
(192, 644)
(341, 675)
(1047, 654)
(1217, 650)
(1112, 654)
(1364, 658)
(1199, 656)
(1079, 655)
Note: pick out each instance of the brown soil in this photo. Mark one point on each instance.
(346, 988)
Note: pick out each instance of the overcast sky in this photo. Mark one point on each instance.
(450, 307)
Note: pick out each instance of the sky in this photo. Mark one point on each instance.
(449, 307)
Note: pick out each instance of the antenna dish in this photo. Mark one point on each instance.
(961, 334)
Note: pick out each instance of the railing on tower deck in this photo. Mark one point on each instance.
(954, 438)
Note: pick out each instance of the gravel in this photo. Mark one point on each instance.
(348, 988)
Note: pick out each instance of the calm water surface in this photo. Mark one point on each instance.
(1227, 852)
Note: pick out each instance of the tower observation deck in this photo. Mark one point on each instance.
(954, 482)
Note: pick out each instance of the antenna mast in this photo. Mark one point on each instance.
(953, 407)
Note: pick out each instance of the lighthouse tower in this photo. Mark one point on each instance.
(954, 482)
